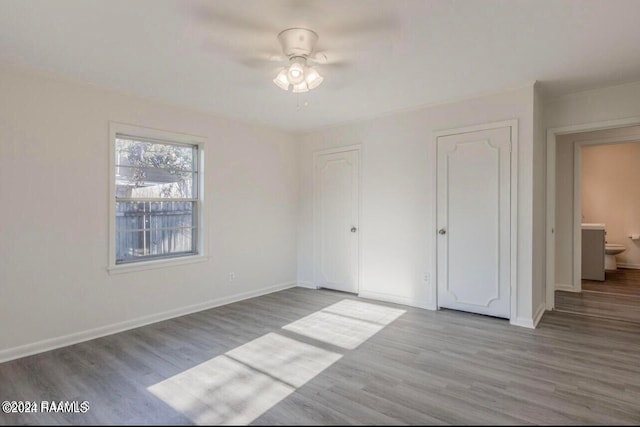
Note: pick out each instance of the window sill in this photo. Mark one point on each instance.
(155, 264)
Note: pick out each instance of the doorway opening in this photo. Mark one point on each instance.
(597, 224)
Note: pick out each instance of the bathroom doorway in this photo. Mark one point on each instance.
(597, 223)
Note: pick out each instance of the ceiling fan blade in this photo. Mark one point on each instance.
(224, 47)
(343, 65)
(263, 61)
(322, 61)
(258, 62)
(363, 28)
(254, 63)
(338, 59)
(277, 58)
(319, 58)
(218, 17)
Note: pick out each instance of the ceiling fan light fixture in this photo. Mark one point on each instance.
(300, 87)
(313, 78)
(298, 44)
(281, 80)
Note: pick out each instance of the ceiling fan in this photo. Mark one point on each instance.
(298, 45)
(354, 36)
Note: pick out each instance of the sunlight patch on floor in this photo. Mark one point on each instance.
(286, 359)
(221, 391)
(242, 384)
(345, 324)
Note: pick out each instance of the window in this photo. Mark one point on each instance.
(156, 195)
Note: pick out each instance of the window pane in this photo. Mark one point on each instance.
(153, 215)
(150, 183)
(130, 152)
(171, 241)
(152, 229)
(132, 245)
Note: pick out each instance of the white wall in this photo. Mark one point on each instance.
(611, 194)
(398, 193)
(54, 217)
(598, 105)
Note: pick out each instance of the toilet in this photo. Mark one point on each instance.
(610, 252)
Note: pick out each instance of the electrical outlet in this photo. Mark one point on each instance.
(232, 276)
(427, 277)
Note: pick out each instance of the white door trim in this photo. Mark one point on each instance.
(513, 124)
(552, 133)
(316, 154)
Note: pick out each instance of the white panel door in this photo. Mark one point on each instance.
(336, 187)
(473, 217)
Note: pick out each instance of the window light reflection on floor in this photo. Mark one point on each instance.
(237, 387)
(240, 385)
(345, 324)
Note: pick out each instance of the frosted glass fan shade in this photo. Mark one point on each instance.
(281, 80)
(300, 87)
(313, 78)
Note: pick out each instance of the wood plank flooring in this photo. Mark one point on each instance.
(424, 367)
(623, 281)
(618, 297)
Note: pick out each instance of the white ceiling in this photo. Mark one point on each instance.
(399, 54)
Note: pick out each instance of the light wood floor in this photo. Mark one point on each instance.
(425, 367)
(618, 297)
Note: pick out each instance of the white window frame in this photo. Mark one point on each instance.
(201, 243)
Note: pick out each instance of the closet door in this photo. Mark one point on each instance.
(336, 194)
(473, 217)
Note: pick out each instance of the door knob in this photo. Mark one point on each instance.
(353, 229)
(442, 231)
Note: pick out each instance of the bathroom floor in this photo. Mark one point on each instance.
(618, 297)
(621, 281)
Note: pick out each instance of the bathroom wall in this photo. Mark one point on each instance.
(611, 194)
(564, 200)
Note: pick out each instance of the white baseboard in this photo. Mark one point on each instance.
(77, 337)
(565, 287)
(530, 323)
(307, 285)
(539, 313)
(628, 265)
(524, 322)
(396, 299)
